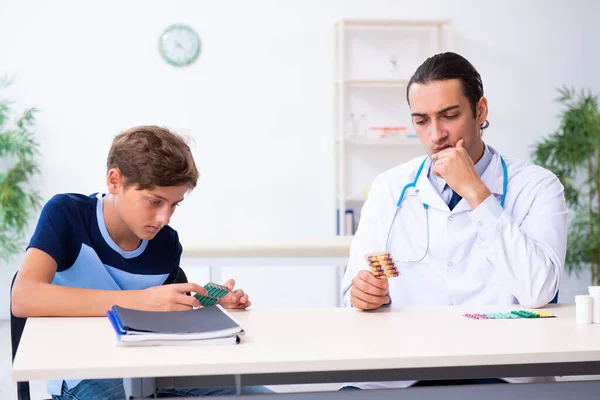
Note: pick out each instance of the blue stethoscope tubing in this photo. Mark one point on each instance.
(426, 206)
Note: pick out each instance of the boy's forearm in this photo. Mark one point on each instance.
(37, 299)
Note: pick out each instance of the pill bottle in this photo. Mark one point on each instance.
(595, 293)
(583, 309)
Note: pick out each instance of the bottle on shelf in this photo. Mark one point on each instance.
(351, 127)
(393, 72)
(362, 127)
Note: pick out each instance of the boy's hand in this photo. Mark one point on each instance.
(171, 297)
(235, 299)
(368, 292)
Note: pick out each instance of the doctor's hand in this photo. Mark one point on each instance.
(368, 292)
(454, 165)
(235, 299)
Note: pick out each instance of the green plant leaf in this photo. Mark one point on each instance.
(18, 201)
(573, 154)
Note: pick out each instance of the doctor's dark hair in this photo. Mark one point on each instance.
(151, 156)
(446, 66)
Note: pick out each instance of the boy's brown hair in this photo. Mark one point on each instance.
(150, 156)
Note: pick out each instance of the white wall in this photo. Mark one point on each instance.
(258, 101)
(591, 55)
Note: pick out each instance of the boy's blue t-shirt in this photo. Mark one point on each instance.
(71, 229)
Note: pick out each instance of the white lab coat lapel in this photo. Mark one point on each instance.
(426, 193)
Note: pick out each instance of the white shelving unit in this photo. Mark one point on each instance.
(374, 60)
(392, 83)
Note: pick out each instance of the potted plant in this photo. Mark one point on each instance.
(573, 154)
(18, 149)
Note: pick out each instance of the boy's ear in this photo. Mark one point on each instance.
(114, 181)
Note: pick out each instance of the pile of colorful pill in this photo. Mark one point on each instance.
(511, 315)
(382, 265)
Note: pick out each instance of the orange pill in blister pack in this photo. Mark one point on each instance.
(382, 265)
(389, 267)
(391, 272)
(378, 257)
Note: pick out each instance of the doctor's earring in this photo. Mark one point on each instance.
(485, 124)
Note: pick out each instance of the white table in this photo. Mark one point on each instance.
(329, 345)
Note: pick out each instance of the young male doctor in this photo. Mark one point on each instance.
(464, 224)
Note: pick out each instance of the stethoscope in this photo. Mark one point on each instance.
(426, 206)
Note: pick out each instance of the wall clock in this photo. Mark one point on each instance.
(179, 45)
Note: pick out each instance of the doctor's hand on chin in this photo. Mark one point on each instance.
(454, 165)
(368, 292)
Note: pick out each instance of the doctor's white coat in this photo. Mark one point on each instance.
(490, 255)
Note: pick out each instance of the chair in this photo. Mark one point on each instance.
(181, 277)
(555, 299)
(17, 325)
(16, 331)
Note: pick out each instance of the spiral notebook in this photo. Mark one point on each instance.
(207, 325)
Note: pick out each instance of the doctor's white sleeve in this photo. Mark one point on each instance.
(368, 238)
(529, 255)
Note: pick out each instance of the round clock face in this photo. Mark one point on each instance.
(179, 45)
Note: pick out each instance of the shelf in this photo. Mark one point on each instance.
(249, 247)
(376, 82)
(384, 142)
(394, 23)
(356, 198)
(362, 85)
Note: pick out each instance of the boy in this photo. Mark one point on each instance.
(91, 252)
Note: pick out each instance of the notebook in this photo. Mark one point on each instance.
(207, 325)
